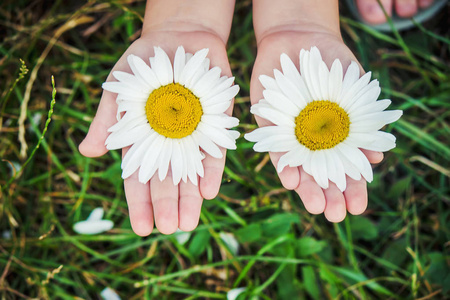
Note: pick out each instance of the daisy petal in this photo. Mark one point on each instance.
(162, 66)
(319, 168)
(207, 144)
(290, 90)
(178, 63)
(143, 71)
(192, 65)
(121, 139)
(294, 158)
(176, 162)
(218, 136)
(164, 158)
(335, 81)
(149, 163)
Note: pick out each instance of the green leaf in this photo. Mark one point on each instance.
(438, 271)
(279, 224)
(362, 228)
(309, 245)
(310, 282)
(249, 234)
(199, 243)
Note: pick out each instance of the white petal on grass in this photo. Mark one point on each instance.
(233, 294)
(182, 237)
(109, 294)
(96, 214)
(230, 240)
(178, 63)
(92, 227)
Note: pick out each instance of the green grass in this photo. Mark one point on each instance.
(397, 250)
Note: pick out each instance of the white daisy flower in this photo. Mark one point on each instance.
(173, 115)
(322, 119)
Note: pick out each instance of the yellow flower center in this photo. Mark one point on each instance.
(322, 125)
(173, 111)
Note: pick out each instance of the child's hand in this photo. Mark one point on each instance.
(331, 201)
(170, 206)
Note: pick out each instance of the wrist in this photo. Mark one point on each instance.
(305, 16)
(189, 16)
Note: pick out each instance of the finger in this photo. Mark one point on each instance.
(374, 157)
(356, 196)
(94, 143)
(164, 197)
(190, 206)
(310, 193)
(335, 209)
(290, 176)
(139, 204)
(210, 183)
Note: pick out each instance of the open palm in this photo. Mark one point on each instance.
(169, 206)
(331, 201)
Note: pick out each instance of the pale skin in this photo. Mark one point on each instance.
(372, 13)
(279, 27)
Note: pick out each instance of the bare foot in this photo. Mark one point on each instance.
(372, 13)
